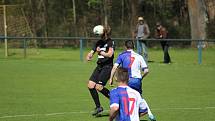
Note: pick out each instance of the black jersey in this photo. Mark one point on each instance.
(104, 46)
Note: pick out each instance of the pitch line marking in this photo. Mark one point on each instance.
(210, 107)
(83, 112)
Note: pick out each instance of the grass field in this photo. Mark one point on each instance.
(51, 86)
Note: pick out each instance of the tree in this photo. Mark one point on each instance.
(133, 14)
(197, 15)
(122, 13)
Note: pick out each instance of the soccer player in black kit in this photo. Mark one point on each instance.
(104, 47)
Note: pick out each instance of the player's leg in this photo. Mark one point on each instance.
(94, 94)
(103, 78)
(103, 90)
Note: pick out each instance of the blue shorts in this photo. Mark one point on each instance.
(135, 83)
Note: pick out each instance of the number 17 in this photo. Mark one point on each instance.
(126, 101)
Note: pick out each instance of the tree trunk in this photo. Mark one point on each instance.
(33, 15)
(154, 8)
(122, 14)
(105, 13)
(134, 8)
(74, 17)
(74, 11)
(46, 20)
(197, 16)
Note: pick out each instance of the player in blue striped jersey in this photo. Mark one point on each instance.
(135, 65)
(125, 102)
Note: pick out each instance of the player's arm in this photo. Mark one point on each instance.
(144, 68)
(107, 54)
(90, 55)
(113, 113)
(142, 106)
(112, 73)
(145, 72)
(114, 104)
(92, 52)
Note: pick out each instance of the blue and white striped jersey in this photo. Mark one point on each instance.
(133, 62)
(129, 102)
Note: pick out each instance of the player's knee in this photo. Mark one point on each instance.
(91, 85)
(99, 87)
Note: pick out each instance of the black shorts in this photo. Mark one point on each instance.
(101, 74)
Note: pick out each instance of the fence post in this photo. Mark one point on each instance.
(25, 47)
(199, 52)
(81, 49)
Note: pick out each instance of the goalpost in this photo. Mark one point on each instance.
(14, 23)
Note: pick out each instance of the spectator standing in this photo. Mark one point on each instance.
(162, 33)
(142, 32)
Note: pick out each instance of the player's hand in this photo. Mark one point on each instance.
(89, 56)
(111, 83)
(98, 49)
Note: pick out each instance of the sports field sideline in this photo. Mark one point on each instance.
(51, 86)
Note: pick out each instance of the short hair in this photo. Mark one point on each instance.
(122, 75)
(129, 44)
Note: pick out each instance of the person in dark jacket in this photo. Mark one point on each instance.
(162, 33)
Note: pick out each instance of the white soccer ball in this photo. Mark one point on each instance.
(98, 30)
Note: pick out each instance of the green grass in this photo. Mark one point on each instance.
(51, 86)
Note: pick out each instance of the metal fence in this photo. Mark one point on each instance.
(82, 39)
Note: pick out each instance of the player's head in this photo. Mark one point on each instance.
(122, 75)
(129, 44)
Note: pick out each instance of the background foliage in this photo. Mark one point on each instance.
(77, 17)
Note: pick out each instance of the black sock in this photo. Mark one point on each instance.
(105, 92)
(95, 97)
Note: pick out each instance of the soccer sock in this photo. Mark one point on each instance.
(95, 97)
(105, 92)
(149, 111)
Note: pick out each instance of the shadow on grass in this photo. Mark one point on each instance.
(103, 115)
